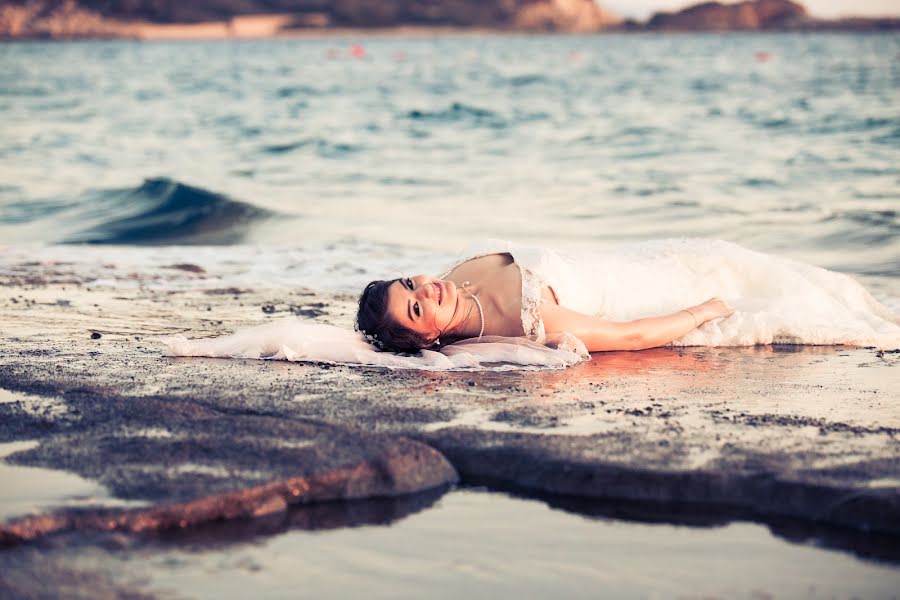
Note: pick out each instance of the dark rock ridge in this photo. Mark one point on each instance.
(755, 15)
(740, 478)
(750, 15)
(119, 18)
(208, 466)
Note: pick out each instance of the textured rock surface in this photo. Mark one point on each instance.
(200, 464)
(809, 433)
(605, 465)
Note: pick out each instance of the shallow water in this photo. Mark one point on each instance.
(33, 490)
(492, 545)
(426, 144)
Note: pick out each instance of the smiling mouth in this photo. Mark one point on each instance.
(440, 293)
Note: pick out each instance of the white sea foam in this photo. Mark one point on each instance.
(341, 267)
(344, 266)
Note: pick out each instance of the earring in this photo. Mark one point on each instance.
(437, 342)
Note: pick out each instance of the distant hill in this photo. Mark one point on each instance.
(750, 15)
(124, 18)
(756, 15)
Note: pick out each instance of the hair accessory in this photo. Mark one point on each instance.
(372, 338)
(478, 303)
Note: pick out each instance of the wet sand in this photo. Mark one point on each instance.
(800, 438)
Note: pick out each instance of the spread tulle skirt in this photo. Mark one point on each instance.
(776, 300)
(297, 340)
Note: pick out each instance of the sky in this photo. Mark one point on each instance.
(641, 9)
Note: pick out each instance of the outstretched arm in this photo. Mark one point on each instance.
(599, 334)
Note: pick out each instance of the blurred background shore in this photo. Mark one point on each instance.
(217, 19)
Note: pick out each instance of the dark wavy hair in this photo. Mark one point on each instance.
(373, 320)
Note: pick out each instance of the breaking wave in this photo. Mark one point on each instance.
(159, 211)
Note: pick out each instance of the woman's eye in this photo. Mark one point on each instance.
(416, 308)
(409, 283)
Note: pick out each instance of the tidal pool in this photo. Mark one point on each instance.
(467, 543)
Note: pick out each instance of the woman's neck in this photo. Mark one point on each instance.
(470, 321)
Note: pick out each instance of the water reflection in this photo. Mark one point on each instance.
(320, 516)
(470, 544)
(863, 544)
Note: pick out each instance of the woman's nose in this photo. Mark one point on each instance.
(426, 290)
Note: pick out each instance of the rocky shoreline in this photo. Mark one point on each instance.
(70, 19)
(219, 19)
(805, 434)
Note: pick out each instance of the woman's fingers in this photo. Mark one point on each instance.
(717, 308)
(722, 309)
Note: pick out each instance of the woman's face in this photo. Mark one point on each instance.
(424, 304)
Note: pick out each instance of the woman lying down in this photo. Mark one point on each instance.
(505, 306)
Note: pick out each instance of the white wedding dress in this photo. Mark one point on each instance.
(776, 300)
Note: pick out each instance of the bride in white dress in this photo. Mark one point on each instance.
(510, 304)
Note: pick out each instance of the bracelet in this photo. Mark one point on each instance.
(696, 323)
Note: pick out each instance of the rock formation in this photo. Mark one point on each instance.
(206, 19)
(750, 15)
(217, 18)
(56, 20)
(564, 15)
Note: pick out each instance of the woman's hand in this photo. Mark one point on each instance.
(714, 308)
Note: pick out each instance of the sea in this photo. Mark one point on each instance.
(329, 162)
(325, 163)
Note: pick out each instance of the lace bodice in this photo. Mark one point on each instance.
(532, 323)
